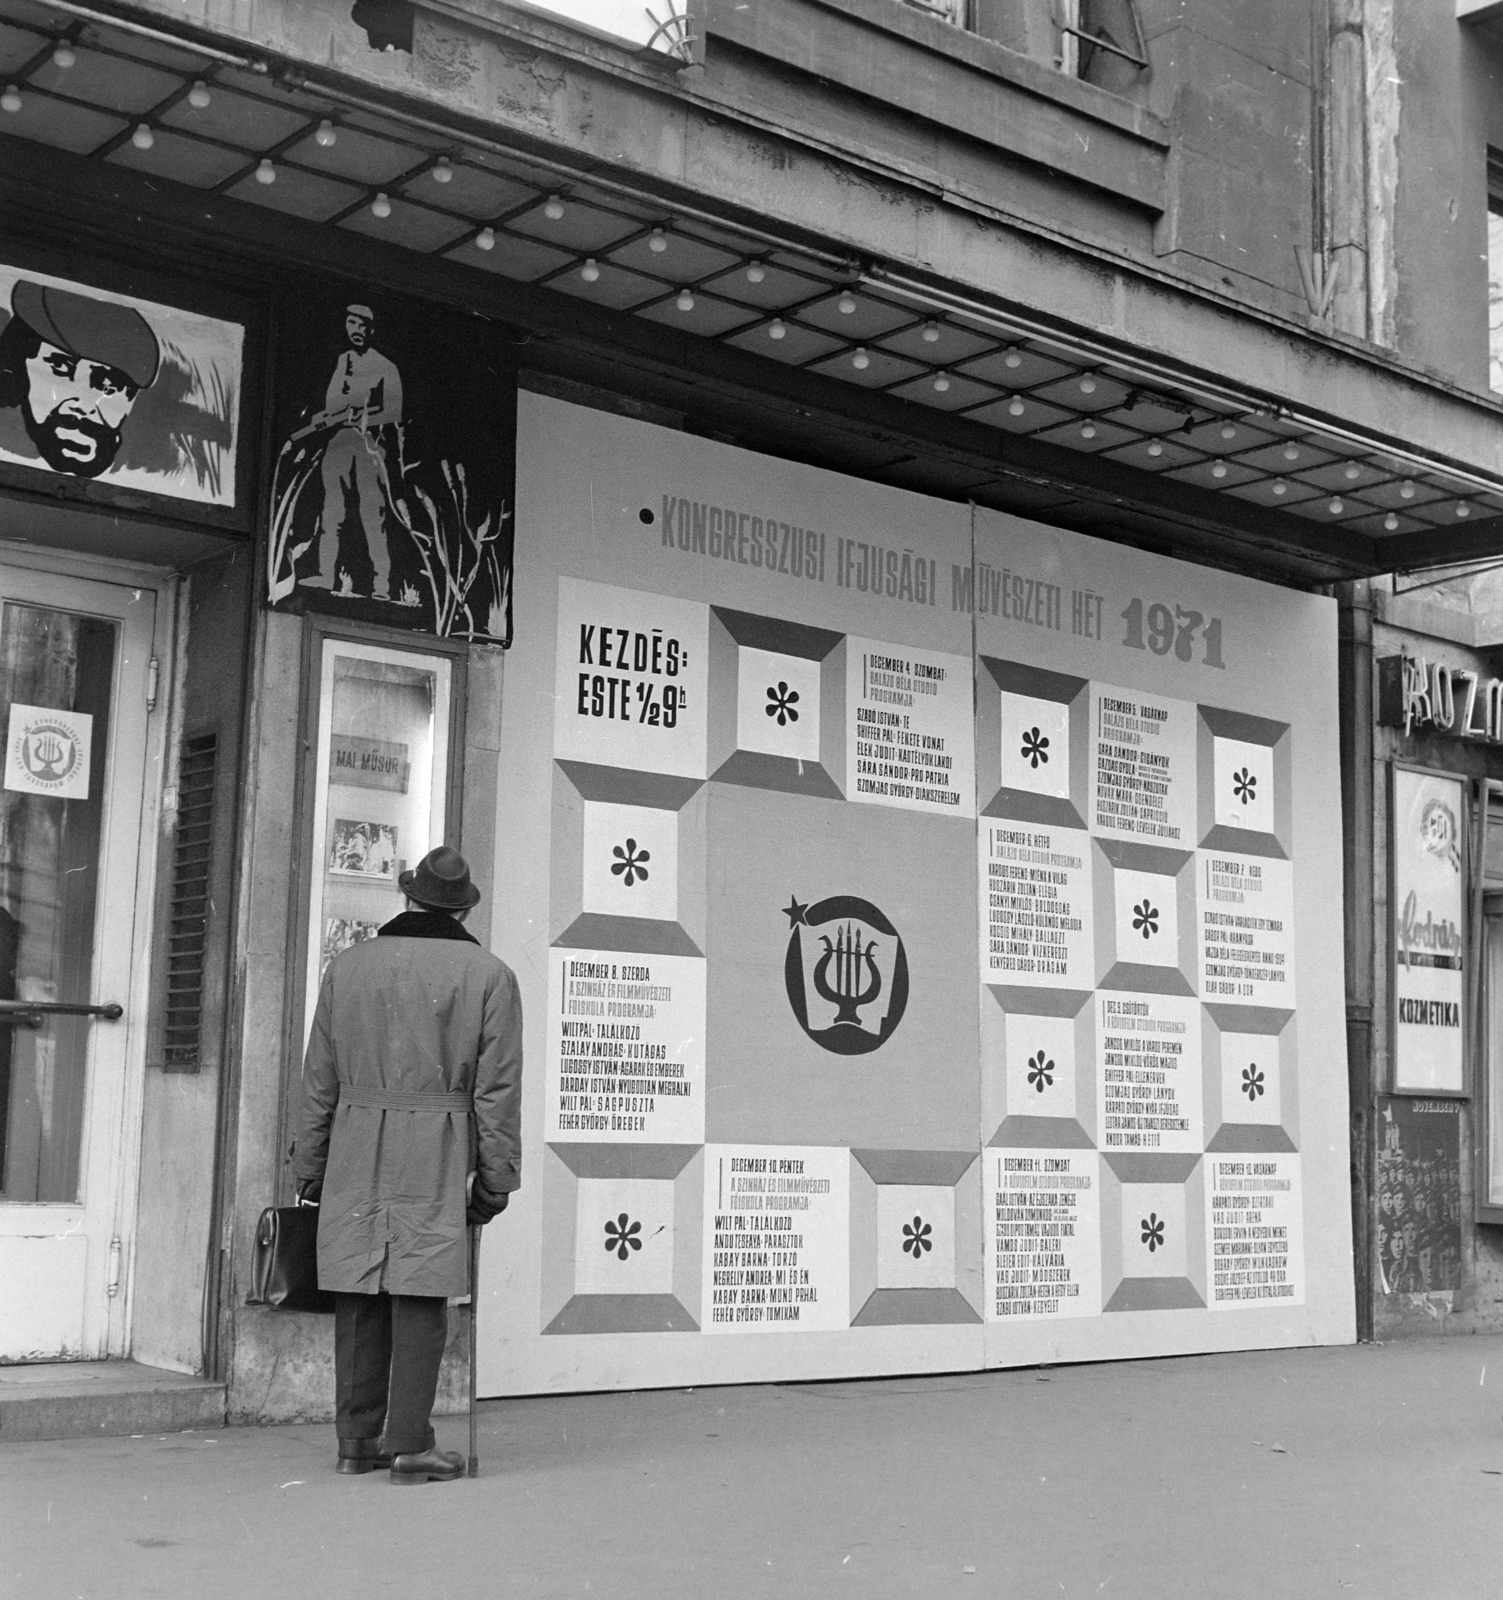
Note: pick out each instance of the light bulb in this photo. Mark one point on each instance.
(1013, 358)
(755, 272)
(1015, 405)
(1406, 489)
(1228, 431)
(1218, 469)
(143, 138)
(931, 333)
(1088, 430)
(1463, 509)
(657, 241)
(381, 206)
(554, 208)
(846, 303)
(777, 329)
(1291, 452)
(1088, 384)
(265, 172)
(442, 171)
(1351, 472)
(63, 56)
(1155, 447)
(1278, 487)
(685, 301)
(199, 96)
(1338, 505)
(941, 382)
(10, 99)
(590, 271)
(1391, 522)
(485, 239)
(325, 134)
(861, 361)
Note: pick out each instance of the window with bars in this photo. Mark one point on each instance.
(188, 907)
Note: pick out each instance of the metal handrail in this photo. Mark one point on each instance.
(32, 1013)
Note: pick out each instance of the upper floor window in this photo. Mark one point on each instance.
(1097, 40)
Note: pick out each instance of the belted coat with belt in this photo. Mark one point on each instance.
(419, 1011)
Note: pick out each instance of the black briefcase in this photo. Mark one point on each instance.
(284, 1267)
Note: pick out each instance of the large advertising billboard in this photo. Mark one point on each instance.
(920, 914)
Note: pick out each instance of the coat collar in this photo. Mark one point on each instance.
(425, 925)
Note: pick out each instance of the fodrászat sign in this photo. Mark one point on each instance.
(936, 912)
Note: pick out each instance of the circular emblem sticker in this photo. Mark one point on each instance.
(49, 752)
(1438, 832)
(856, 967)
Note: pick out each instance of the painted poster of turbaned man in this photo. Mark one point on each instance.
(392, 488)
(105, 387)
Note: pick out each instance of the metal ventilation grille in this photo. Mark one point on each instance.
(188, 915)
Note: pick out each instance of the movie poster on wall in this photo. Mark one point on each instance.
(392, 479)
(1429, 916)
(111, 389)
(806, 768)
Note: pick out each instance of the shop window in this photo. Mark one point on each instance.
(1495, 270)
(1490, 1080)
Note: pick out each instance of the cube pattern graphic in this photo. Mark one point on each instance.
(777, 704)
(915, 1236)
(630, 861)
(1035, 745)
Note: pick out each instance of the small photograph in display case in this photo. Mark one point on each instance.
(363, 849)
(342, 932)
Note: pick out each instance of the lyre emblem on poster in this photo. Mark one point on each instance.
(856, 967)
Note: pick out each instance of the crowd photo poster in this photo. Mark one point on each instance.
(1429, 915)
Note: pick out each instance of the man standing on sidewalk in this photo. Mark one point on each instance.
(412, 1080)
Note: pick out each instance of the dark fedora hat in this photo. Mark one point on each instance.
(441, 880)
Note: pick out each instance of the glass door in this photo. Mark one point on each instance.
(74, 662)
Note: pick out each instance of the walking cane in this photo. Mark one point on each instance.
(474, 1469)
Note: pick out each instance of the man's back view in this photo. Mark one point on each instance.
(412, 1081)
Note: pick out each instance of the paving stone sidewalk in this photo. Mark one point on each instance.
(1374, 1472)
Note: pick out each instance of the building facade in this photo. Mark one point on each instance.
(882, 532)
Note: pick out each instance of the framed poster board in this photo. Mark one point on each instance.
(1427, 942)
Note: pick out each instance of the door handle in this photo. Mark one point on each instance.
(32, 1013)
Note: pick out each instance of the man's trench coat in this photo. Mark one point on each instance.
(426, 1015)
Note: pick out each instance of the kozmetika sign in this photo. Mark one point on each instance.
(1413, 692)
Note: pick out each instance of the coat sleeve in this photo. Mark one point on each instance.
(320, 1093)
(498, 1088)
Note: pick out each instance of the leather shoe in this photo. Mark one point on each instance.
(361, 1455)
(426, 1466)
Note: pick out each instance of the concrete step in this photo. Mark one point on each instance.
(90, 1399)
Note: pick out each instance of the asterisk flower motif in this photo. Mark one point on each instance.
(1040, 1072)
(916, 1238)
(1145, 918)
(1244, 786)
(621, 1236)
(1035, 748)
(1153, 1231)
(628, 865)
(1252, 1082)
(781, 702)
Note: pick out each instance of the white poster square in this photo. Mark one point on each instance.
(910, 728)
(1150, 1091)
(623, 1236)
(777, 704)
(1243, 776)
(1250, 1078)
(1153, 1230)
(1035, 905)
(1035, 745)
(1246, 906)
(915, 1236)
(1143, 766)
(1042, 1233)
(48, 752)
(1146, 906)
(1255, 1231)
(777, 1248)
(1041, 1065)
(630, 861)
(625, 1061)
(630, 676)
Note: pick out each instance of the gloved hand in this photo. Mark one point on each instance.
(310, 1191)
(483, 1205)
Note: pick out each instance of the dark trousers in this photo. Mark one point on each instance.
(387, 1352)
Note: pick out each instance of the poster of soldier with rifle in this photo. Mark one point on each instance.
(392, 488)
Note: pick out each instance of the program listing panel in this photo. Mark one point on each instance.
(1035, 905)
(909, 733)
(777, 1256)
(1043, 1234)
(1255, 1228)
(626, 1055)
(1149, 1061)
(1246, 928)
(1142, 767)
